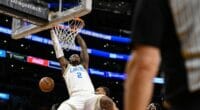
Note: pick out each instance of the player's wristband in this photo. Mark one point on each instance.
(56, 45)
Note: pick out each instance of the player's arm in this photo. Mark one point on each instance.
(59, 52)
(84, 54)
(141, 70)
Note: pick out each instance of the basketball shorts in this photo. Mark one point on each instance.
(82, 102)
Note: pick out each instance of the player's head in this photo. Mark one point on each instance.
(103, 90)
(74, 59)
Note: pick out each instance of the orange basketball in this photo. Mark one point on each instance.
(46, 84)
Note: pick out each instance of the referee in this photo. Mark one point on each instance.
(167, 33)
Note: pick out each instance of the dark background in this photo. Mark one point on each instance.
(20, 79)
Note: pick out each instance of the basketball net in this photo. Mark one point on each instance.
(67, 34)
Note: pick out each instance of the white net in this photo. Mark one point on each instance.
(67, 34)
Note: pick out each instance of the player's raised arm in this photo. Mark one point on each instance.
(59, 52)
(84, 54)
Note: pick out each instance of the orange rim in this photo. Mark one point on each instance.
(76, 26)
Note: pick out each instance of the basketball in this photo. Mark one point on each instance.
(46, 84)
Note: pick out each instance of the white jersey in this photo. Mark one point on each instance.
(77, 79)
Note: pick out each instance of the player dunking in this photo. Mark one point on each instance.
(79, 85)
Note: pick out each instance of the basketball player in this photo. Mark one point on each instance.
(79, 85)
(105, 91)
(167, 30)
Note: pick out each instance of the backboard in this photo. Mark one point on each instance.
(32, 16)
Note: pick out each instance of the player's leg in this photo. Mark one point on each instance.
(66, 106)
(75, 102)
(99, 102)
(93, 102)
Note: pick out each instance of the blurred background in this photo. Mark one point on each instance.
(24, 62)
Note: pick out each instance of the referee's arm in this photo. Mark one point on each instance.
(147, 36)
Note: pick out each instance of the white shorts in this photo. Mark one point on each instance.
(82, 102)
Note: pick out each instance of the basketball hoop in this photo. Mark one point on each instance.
(67, 34)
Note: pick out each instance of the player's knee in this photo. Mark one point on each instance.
(106, 103)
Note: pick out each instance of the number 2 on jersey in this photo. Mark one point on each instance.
(79, 75)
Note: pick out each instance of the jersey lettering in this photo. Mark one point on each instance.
(72, 70)
(77, 71)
